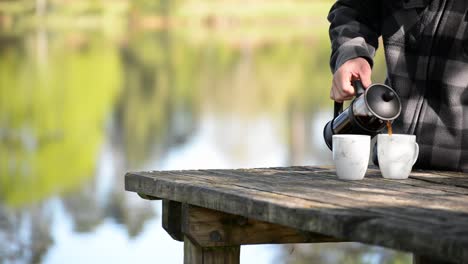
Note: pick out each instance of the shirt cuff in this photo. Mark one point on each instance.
(352, 49)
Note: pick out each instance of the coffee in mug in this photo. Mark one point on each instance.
(396, 154)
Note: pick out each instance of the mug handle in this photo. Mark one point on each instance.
(416, 153)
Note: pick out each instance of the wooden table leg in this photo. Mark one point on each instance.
(212, 237)
(195, 254)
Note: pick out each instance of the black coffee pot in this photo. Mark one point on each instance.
(367, 114)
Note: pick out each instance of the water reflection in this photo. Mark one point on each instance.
(353, 253)
(80, 106)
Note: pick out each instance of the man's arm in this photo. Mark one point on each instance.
(354, 33)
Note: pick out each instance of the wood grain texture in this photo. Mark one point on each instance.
(210, 228)
(426, 213)
(195, 254)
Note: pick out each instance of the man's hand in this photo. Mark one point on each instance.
(357, 68)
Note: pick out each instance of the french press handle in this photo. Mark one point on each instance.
(358, 89)
(338, 109)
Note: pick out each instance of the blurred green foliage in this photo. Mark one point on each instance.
(160, 96)
(52, 112)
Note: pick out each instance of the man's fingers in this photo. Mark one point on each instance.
(334, 94)
(348, 98)
(339, 94)
(365, 73)
(346, 89)
(342, 88)
(366, 80)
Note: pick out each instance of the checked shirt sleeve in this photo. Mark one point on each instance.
(354, 30)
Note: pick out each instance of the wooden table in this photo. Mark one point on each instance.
(216, 211)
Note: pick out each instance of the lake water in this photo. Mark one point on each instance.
(81, 105)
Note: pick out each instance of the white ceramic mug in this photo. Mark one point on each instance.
(397, 154)
(351, 155)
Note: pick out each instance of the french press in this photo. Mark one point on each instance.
(367, 114)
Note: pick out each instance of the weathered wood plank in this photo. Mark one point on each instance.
(323, 204)
(418, 179)
(406, 211)
(200, 193)
(394, 199)
(412, 206)
(194, 254)
(210, 228)
(373, 178)
(172, 219)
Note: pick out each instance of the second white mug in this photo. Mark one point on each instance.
(351, 155)
(396, 154)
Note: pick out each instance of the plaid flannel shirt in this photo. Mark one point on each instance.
(426, 51)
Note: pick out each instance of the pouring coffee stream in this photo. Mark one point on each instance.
(389, 128)
(368, 114)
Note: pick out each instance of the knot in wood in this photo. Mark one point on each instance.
(215, 236)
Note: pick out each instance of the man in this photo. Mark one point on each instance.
(426, 51)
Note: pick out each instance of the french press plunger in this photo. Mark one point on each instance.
(367, 113)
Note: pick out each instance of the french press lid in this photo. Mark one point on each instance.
(382, 101)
